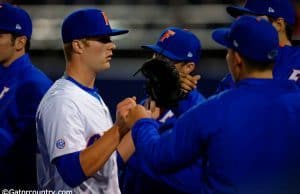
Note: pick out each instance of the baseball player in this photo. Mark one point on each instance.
(76, 137)
(22, 86)
(282, 16)
(248, 136)
(182, 49)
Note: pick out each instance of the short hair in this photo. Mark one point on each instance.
(68, 49)
(254, 65)
(164, 58)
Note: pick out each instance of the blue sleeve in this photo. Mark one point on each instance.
(6, 141)
(28, 97)
(193, 98)
(187, 179)
(225, 84)
(70, 169)
(180, 146)
(18, 120)
(134, 162)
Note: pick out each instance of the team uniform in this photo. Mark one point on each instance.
(175, 45)
(248, 138)
(22, 86)
(287, 67)
(139, 178)
(287, 64)
(78, 118)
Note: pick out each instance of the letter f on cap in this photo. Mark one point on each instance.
(105, 18)
(166, 35)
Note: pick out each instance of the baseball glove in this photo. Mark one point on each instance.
(163, 83)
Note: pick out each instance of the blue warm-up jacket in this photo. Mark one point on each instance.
(248, 138)
(22, 86)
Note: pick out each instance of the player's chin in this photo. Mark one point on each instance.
(105, 66)
(102, 67)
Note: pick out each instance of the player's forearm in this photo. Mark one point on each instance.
(126, 147)
(94, 157)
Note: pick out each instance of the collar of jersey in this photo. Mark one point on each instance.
(91, 91)
(16, 66)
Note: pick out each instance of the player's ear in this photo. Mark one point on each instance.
(237, 58)
(188, 67)
(279, 25)
(20, 42)
(77, 46)
(238, 64)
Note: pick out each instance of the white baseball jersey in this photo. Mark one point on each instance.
(69, 119)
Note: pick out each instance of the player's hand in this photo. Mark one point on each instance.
(151, 105)
(122, 111)
(188, 82)
(136, 113)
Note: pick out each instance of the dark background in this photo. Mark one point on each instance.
(145, 19)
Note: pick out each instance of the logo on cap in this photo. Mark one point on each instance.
(105, 18)
(271, 10)
(18, 27)
(166, 35)
(190, 54)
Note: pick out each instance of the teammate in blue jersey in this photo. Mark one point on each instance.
(282, 16)
(182, 49)
(248, 136)
(22, 86)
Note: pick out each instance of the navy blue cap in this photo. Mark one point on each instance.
(178, 45)
(272, 8)
(15, 20)
(86, 23)
(254, 38)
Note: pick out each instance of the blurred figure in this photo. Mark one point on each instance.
(22, 86)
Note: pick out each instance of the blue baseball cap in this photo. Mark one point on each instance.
(178, 45)
(86, 23)
(15, 20)
(252, 37)
(272, 8)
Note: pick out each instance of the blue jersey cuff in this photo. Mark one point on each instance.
(70, 170)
